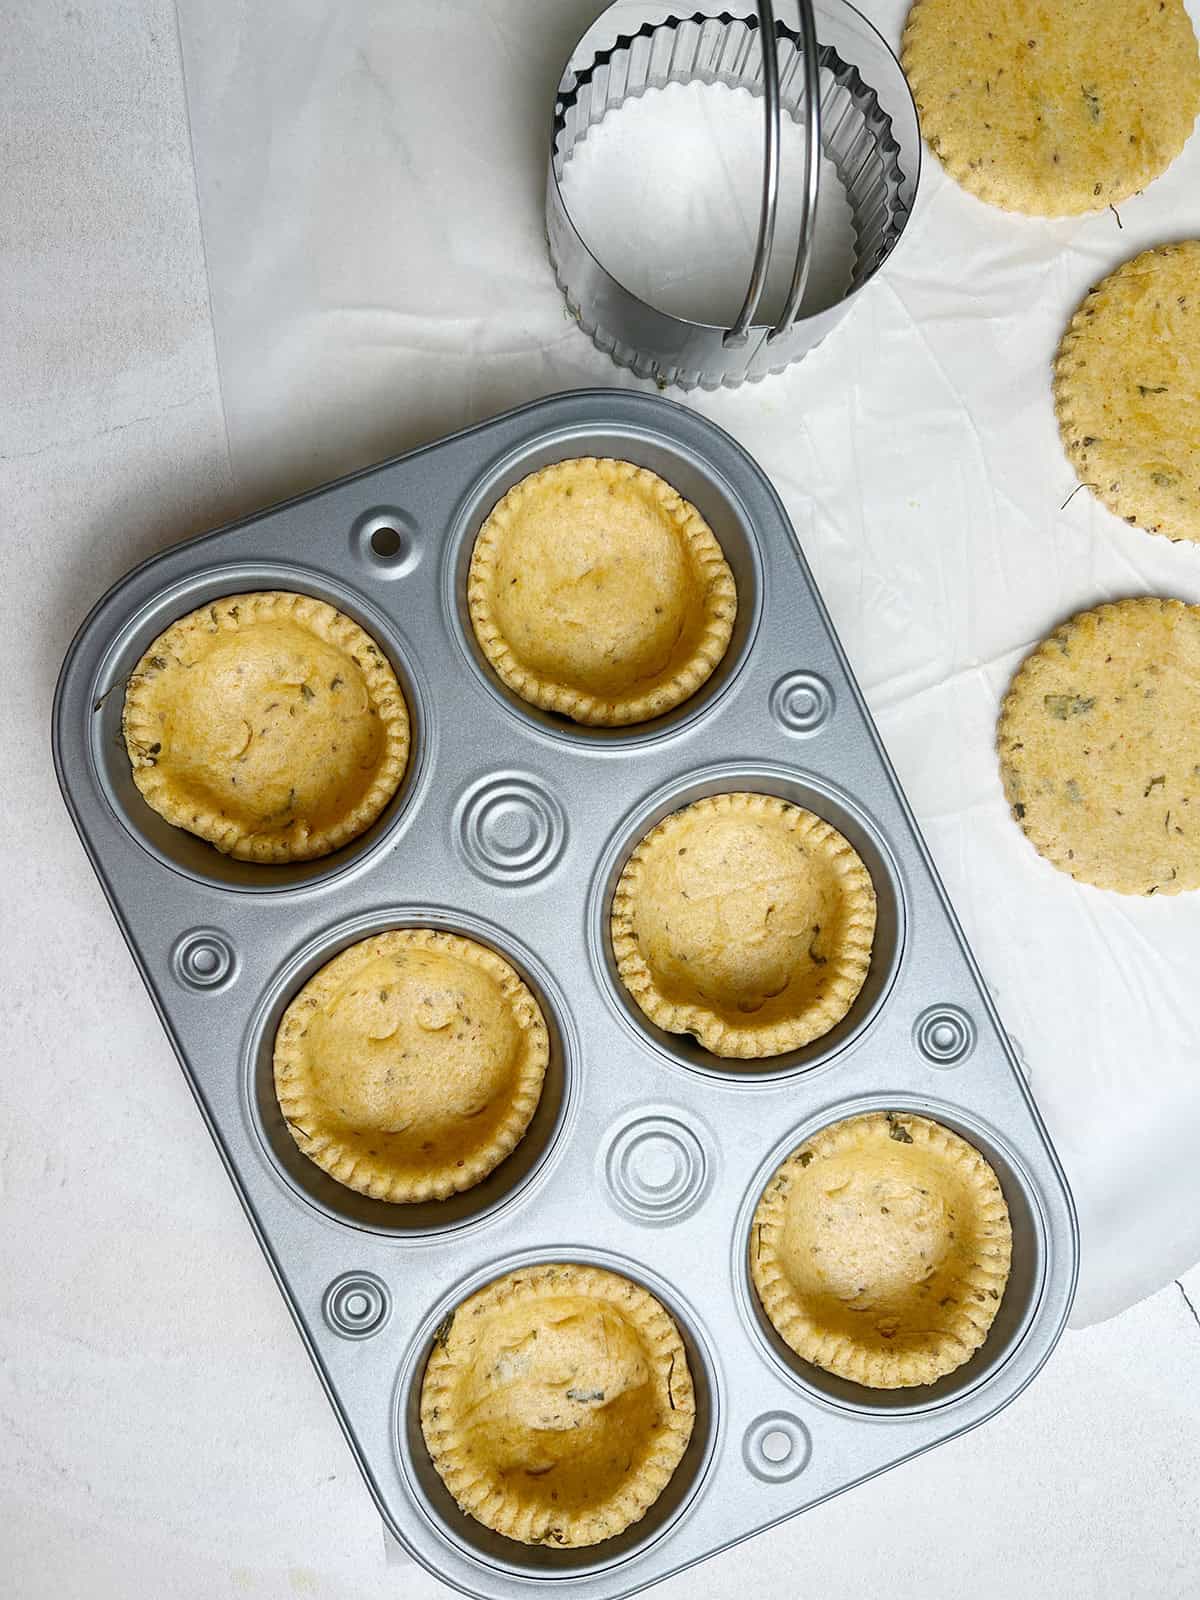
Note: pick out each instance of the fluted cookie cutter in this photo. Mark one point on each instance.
(836, 75)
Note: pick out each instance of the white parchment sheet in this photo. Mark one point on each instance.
(371, 180)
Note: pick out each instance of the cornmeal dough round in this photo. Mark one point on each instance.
(881, 1248)
(1053, 107)
(269, 724)
(1099, 745)
(596, 591)
(1127, 390)
(411, 1064)
(745, 921)
(557, 1403)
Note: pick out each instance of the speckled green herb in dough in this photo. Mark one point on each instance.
(558, 1404)
(1099, 745)
(1053, 107)
(1126, 388)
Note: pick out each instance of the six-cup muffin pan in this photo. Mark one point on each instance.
(647, 1155)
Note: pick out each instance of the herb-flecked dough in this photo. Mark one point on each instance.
(880, 1250)
(599, 592)
(410, 1065)
(269, 724)
(1053, 107)
(557, 1404)
(746, 921)
(1127, 391)
(1099, 746)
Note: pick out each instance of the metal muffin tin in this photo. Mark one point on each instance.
(647, 1155)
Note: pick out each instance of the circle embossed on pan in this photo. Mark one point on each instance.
(510, 827)
(657, 1166)
(357, 1305)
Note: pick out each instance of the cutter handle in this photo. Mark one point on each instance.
(812, 167)
(769, 204)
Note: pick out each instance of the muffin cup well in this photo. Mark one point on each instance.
(185, 852)
(481, 1544)
(815, 795)
(505, 1183)
(691, 477)
(1017, 1307)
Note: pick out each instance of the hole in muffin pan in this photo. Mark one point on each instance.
(386, 543)
(822, 800)
(696, 481)
(1017, 1306)
(183, 851)
(494, 1550)
(504, 1184)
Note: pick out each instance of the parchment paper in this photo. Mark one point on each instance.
(371, 179)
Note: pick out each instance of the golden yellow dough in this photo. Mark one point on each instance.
(1099, 745)
(1053, 107)
(1127, 390)
(269, 724)
(881, 1248)
(557, 1403)
(745, 921)
(596, 591)
(410, 1065)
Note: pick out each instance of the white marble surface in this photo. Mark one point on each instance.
(163, 1433)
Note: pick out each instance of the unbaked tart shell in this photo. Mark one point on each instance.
(745, 921)
(596, 591)
(881, 1248)
(557, 1403)
(411, 1064)
(269, 724)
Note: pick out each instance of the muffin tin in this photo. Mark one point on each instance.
(647, 1155)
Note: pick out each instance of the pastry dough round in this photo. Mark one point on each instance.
(1099, 745)
(1053, 107)
(1126, 382)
